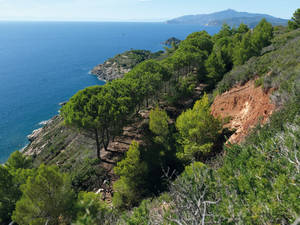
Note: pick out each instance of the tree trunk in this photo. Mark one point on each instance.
(97, 143)
(138, 108)
(107, 140)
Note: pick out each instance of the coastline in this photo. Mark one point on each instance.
(36, 132)
(98, 77)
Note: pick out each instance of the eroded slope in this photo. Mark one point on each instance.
(243, 106)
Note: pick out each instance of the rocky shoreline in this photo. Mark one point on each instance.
(109, 71)
(35, 133)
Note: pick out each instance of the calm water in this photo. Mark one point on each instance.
(42, 64)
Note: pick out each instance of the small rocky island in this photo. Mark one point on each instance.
(173, 41)
(117, 66)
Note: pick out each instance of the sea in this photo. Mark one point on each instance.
(44, 63)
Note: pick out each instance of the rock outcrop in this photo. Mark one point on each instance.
(109, 71)
(31, 137)
(244, 107)
(119, 65)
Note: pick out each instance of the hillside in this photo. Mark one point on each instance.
(231, 17)
(207, 134)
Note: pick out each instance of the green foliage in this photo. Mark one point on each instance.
(159, 124)
(191, 55)
(251, 43)
(100, 109)
(257, 182)
(150, 211)
(146, 79)
(262, 35)
(132, 170)
(18, 161)
(183, 89)
(199, 40)
(259, 82)
(215, 66)
(225, 31)
(198, 130)
(194, 196)
(88, 175)
(200, 58)
(189, 170)
(262, 176)
(12, 175)
(243, 28)
(130, 59)
(294, 23)
(220, 60)
(77, 110)
(244, 49)
(139, 216)
(235, 47)
(149, 66)
(91, 209)
(82, 111)
(47, 198)
(281, 62)
(104, 110)
(9, 194)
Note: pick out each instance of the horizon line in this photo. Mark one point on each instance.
(83, 20)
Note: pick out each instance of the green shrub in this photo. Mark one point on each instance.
(47, 198)
(91, 209)
(87, 175)
(139, 216)
(194, 196)
(258, 82)
(198, 131)
(129, 189)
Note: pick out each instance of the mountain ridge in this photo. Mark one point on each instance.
(229, 16)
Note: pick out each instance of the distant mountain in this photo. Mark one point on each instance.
(231, 17)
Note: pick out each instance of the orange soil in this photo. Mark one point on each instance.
(245, 106)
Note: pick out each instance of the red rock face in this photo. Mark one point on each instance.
(246, 106)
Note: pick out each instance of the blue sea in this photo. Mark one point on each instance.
(45, 63)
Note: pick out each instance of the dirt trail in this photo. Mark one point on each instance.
(246, 106)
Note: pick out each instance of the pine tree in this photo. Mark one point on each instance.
(198, 130)
(47, 199)
(294, 23)
(132, 170)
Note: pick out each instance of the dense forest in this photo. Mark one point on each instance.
(182, 171)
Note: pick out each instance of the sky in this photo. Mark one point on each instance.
(134, 10)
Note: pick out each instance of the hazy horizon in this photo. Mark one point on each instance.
(132, 10)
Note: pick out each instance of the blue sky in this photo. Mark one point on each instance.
(134, 10)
